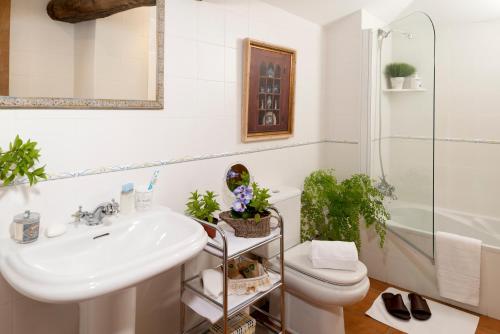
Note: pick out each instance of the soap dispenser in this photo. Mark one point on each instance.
(127, 199)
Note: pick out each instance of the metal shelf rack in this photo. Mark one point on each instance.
(232, 247)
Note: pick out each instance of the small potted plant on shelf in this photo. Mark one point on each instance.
(249, 216)
(397, 72)
(203, 207)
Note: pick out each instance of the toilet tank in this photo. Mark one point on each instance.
(287, 201)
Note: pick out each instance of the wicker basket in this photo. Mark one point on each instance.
(240, 323)
(246, 286)
(248, 228)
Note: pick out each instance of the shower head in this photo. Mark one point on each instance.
(383, 34)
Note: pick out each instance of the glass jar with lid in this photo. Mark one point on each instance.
(26, 227)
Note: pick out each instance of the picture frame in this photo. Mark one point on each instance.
(268, 91)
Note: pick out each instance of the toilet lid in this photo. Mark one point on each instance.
(298, 258)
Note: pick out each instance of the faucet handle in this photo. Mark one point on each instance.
(112, 208)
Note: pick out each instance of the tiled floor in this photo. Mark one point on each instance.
(356, 322)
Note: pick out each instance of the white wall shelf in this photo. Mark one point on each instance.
(404, 90)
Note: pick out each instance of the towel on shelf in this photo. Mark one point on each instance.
(201, 306)
(212, 282)
(338, 255)
(458, 266)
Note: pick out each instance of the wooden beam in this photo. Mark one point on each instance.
(74, 11)
(4, 46)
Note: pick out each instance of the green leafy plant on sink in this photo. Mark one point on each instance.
(20, 161)
(333, 210)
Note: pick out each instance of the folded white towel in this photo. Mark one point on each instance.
(201, 306)
(334, 255)
(212, 282)
(458, 265)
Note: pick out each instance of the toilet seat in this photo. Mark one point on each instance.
(323, 287)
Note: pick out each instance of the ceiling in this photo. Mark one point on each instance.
(326, 11)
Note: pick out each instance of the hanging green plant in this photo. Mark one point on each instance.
(332, 210)
(20, 161)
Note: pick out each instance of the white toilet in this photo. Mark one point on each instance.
(315, 297)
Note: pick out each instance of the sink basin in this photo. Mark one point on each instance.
(91, 261)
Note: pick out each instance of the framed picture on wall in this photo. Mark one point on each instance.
(268, 91)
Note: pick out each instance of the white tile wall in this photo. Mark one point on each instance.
(343, 76)
(202, 116)
(467, 107)
(211, 61)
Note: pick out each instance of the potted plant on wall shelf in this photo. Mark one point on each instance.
(397, 72)
(203, 207)
(19, 161)
(249, 216)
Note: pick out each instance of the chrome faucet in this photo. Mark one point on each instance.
(95, 217)
(386, 189)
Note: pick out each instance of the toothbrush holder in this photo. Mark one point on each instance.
(143, 198)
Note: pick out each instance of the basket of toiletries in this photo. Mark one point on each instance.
(247, 276)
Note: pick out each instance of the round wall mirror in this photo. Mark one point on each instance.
(235, 174)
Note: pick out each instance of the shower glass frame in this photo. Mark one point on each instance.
(379, 36)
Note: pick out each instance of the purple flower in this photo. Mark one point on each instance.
(239, 206)
(245, 199)
(239, 190)
(243, 194)
(248, 192)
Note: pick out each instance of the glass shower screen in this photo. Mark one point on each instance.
(402, 119)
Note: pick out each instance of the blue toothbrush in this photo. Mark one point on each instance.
(153, 180)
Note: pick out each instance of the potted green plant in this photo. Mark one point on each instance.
(332, 210)
(249, 215)
(19, 161)
(397, 72)
(203, 207)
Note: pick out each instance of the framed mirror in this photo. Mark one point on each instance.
(72, 54)
(235, 175)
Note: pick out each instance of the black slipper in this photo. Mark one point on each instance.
(419, 307)
(395, 306)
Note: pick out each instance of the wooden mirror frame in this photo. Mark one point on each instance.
(11, 102)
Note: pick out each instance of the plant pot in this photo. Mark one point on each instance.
(397, 82)
(248, 228)
(212, 232)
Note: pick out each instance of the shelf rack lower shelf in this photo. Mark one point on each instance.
(236, 303)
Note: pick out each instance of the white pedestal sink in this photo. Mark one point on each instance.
(98, 266)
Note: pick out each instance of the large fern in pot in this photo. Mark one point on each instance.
(333, 210)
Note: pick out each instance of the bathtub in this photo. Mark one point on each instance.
(407, 263)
